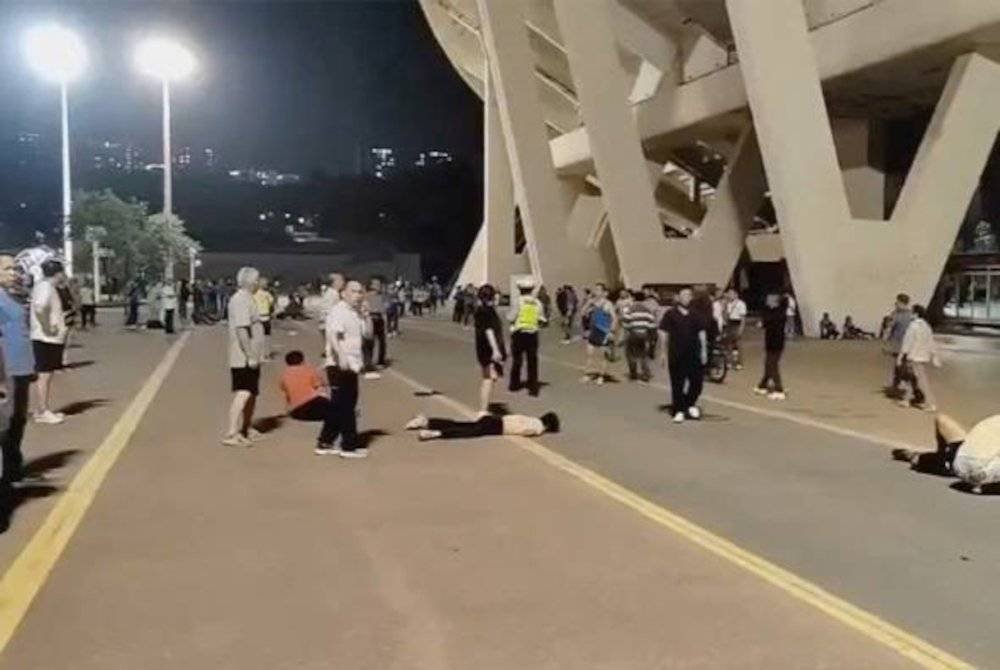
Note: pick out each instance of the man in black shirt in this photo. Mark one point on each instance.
(490, 350)
(685, 353)
(773, 320)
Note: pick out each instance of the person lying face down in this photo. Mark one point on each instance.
(971, 455)
(512, 424)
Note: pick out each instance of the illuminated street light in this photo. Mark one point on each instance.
(58, 56)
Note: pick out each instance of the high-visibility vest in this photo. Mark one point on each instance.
(528, 315)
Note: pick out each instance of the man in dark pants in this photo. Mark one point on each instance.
(526, 316)
(345, 330)
(375, 302)
(685, 352)
(774, 320)
(18, 368)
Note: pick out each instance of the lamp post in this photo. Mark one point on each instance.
(168, 61)
(58, 55)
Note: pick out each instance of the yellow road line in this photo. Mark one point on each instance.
(734, 404)
(26, 575)
(912, 647)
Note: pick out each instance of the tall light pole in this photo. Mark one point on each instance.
(58, 55)
(167, 61)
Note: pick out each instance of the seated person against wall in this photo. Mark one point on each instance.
(852, 332)
(511, 424)
(827, 328)
(973, 456)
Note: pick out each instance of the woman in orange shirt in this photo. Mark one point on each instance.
(307, 398)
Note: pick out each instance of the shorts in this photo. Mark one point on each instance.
(267, 327)
(48, 356)
(597, 338)
(246, 379)
(491, 367)
(976, 471)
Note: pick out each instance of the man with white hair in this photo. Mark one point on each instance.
(246, 339)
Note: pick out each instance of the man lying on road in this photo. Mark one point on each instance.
(511, 424)
(973, 456)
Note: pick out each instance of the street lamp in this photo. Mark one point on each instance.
(58, 55)
(167, 61)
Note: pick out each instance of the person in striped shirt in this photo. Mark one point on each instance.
(638, 321)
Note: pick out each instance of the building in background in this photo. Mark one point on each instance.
(382, 162)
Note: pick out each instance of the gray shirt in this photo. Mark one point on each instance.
(897, 329)
(242, 315)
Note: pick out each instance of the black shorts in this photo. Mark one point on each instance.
(597, 338)
(267, 327)
(48, 356)
(246, 379)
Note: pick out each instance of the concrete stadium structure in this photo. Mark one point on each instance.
(639, 141)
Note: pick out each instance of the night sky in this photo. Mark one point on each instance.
(292, 85)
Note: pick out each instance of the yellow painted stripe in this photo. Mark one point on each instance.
(912, 647)
(29, 571)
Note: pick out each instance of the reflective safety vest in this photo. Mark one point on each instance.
(528, 315)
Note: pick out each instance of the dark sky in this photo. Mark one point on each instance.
(294, 85)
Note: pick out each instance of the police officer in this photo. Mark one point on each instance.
(526, 316)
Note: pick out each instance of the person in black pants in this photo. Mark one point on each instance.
(376, 312)
(526, 316)
(684, 344)
(774, 320)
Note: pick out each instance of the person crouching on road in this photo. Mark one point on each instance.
(307, 398)
(525, 316)
(346, 329)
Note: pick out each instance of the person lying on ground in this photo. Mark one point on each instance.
(511, 425)
(973, 456)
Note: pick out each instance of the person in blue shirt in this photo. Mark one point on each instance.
(602, 321)
(19, 364)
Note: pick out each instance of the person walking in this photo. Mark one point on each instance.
(168, 300)
(917, 351)
(490, 350)
(48, 337)
(602, 322)
(899, 322)
(375, 306)
(132, 305)
(19, 366)
(735, 315)
(638, 323)
(183, 296)
(246, 337)
(525, 317)
(265, 307)
(346, 329)
(774, 322)
(88, 306)
(572, 309)
(684, 347)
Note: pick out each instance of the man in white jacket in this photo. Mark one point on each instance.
(917, 352)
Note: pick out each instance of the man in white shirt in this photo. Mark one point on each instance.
(328, 298)
(48, 337)
(973, 456)
(736, 315)
(246, 339)
(345, 329)
(168, 303)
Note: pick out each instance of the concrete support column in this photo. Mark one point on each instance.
(545, 200)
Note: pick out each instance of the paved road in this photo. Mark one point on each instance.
(832, 509)
(474, 555)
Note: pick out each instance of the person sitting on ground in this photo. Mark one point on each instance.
(827, 328)
(852, 332)
(973, 456)
(307, 397)
(511, 425)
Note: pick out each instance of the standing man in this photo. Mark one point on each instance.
(685, 352)
(346, 329)
(898, 323)
(246, 339)
(19, 364)
(774, 322)
(490, 350)
(88, 306)
(602, 319)
(48, 337)
(168, 296)
(525, 317)
(265, 307)
(639, 323)
(328, 300)
(736, 314)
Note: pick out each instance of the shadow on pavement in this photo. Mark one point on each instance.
(268, 424)
(368, 437)
(498, 408)
(32, 486)
(963, 487)
(77, 364)
(81, 406)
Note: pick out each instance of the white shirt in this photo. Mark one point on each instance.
(328, 300)
(983, 441)
(790, 310)
(736, 310)
(918, 342)
(345, 330)
(169, 296)
(242, 313)
(48, 323)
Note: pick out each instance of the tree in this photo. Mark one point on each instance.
(141, 243)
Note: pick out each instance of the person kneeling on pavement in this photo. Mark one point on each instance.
(486, 425)
(973, 456)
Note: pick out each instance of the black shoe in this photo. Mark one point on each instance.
(906, 455)
(514, 388)
(533, 393)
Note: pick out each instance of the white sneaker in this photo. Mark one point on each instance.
(326, 450)
(255, 435)
(776, 395)
(679, 417)
(49, 417)
(417, 422)
(694, 412)
(356, 453)
(760, 391)
(236, 441)
(372, 375)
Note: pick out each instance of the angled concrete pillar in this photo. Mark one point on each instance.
(838, 263)
(545, 200)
